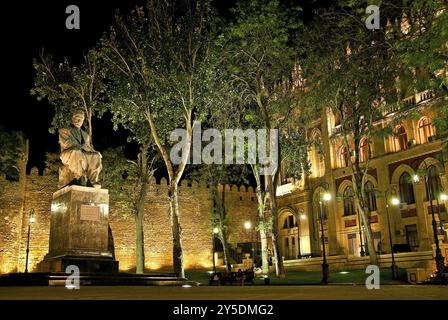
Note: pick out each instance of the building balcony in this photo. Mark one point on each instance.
(418, 97)
(286, 188)
(409, 102)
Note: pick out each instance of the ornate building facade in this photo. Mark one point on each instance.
(395, 169)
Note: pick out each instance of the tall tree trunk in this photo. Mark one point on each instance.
(271, 188)
(140, 241)
(218, 216)
(358, 181)
(279, 268)
(262, 220)
(263, 237)
(359, 192)
(264, 251)
(178, 259)
(173, 192)
(271, 180)
(222, 216)
(22, 191)
(263, 233)
(369, 237)
(225, 249)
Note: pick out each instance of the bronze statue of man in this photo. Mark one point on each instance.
(82, 164)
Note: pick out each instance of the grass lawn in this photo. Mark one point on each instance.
(309, 278)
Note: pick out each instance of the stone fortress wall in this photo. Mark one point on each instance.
(195, 216)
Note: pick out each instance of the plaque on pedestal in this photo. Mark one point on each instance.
(79, 231)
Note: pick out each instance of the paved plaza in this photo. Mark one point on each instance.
(331, 292)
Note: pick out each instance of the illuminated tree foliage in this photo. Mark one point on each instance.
(129, 183)
(159, 60)
(67, 87)
(258, 60)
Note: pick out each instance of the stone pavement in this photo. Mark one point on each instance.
(331, 292)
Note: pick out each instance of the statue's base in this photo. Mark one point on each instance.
(93, 279)
(79, 231)
(84, 263)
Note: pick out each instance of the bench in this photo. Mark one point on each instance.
(232, 278)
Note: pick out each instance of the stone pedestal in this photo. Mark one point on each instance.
(79, 231)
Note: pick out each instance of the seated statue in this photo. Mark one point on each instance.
(81, 163)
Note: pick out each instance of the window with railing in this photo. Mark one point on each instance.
(425, 130)
(342, 157)
(364, 150)
(289, 222)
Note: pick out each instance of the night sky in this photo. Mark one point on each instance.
(26, 28)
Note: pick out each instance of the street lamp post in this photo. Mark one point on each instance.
(439, 259)
(30, 222)
(362, 252)
(248, 226)
(394, 201)
(443, 197)
(215, 232)
(323, 197)
(299, 217)
(256, 240)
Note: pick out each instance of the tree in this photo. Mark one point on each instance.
(259, 57)
(160, 60)
(130, 181)
(352, 71)
(68, 87)
(422, 45)
(13, 154)
(138, 172)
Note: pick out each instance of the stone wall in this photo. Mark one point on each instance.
(195, 209)
(9, 225)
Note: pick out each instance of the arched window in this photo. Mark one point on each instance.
(320, 165)
(406, 189)
(316, 157)
(363, 150)
(289, 222)
(425, 130)
(400, 139)
(343, 160)
(433, 182)
(349, 207)
(370, 193)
